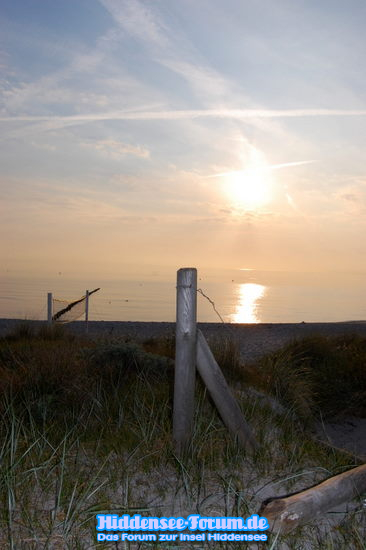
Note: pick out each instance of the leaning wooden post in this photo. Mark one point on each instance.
(216, 384)
(185, 358)
(284, 514)
(49, 308)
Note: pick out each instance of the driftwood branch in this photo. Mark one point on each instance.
(216, 384)
(284, 514)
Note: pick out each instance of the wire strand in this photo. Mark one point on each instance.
(212, 303)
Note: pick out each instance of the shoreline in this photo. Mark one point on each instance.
(253, 340)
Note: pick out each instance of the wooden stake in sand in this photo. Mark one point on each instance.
(284, 514)
(220, 392)
(185, 358)
(87, 294)
(49, 308)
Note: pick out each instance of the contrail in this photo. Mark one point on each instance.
(286, 164)
(270, 167)
(187, 114)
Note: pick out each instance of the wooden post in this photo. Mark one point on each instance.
(49, 308)
(185, 358)
(86, 310)
(220, 392)
(284, 514)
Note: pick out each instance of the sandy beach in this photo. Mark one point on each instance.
(254, 341)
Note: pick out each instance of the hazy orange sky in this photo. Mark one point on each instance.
(144, 136)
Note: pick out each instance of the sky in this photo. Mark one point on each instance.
(145, 136)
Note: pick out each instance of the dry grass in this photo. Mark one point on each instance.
(86, 427)
(316, 375)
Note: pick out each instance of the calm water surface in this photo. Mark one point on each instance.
(239, 297)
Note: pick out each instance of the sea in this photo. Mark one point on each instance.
(232, 296)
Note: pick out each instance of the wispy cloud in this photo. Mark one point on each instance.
(172, 50)
(116, 149)
(136, 19)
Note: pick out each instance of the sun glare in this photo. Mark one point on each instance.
(249, 294)
(250, 188)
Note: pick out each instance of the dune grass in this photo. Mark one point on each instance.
(86, 428)
(316, 375)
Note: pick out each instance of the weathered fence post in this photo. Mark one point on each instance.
(86, 310)
(185, 358)
(49, 308)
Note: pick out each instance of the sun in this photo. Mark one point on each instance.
(249, 188)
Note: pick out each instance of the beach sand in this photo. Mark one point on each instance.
(254, 341)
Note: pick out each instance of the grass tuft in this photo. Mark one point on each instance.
(316, 375)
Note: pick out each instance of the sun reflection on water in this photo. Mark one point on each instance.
(248, 297)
